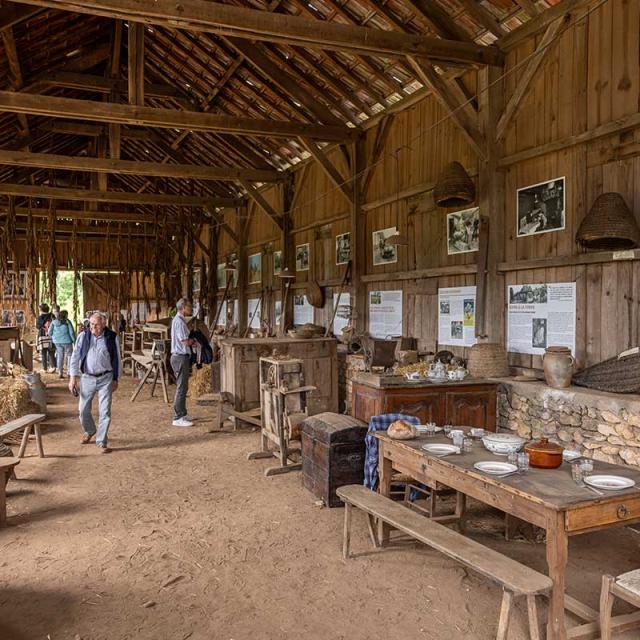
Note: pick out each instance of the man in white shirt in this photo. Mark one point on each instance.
(97, 357)
(181, 361)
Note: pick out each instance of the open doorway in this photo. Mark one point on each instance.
(64, 295)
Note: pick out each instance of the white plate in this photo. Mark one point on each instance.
(440, 449)
(495, 468)
(610, 483)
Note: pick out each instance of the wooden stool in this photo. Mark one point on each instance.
(7, 466)
(626, 587)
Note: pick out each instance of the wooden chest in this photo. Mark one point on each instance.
(240, 369)
(332, 454)
(470, 403)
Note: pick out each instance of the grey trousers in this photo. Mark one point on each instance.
(181, 365)
(89, 386)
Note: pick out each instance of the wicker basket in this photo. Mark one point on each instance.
(315, 294)
(488, 360)
(617, 375)
(609, 225)
(454, 187)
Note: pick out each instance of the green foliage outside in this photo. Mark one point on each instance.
(64, 284)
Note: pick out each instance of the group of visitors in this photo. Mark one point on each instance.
(55, 338)
(95, 363)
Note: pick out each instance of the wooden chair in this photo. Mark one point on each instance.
(626, 587)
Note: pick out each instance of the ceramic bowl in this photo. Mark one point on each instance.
(503, 444)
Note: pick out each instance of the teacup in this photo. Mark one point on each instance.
(477, 433)
(452, 375)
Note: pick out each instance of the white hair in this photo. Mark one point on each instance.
(99, 314)
(182, 303)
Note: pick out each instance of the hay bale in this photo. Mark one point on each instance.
(15, 402)
(200, 382)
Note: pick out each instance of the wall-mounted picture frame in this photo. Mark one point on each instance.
(463, 231)
(302, 257)
(343, 248)
(196, 279)
(15, 286)
(383, 252)
(541, 208)
(221, 276)
(254, 268)
(277, 262)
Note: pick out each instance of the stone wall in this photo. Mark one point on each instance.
(602, 426)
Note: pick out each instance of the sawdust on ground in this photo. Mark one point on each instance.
(175, 535)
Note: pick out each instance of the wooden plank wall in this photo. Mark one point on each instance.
(589, 78)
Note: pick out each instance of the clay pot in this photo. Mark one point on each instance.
(558, 366)
(544, 454)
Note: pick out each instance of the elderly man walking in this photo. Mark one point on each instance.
(181, 361)
(95, 368)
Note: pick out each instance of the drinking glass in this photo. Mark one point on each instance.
(431, 429)
(512, 457)
(523, 461)
(577, 473)
(458, 441)
(447, 428)
(586, 467)
(467, 445)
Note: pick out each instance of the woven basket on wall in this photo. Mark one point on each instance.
(609, 225)
(454, 187)
(315, 294)
(488, 360)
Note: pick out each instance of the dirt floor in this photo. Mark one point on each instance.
(176, 535)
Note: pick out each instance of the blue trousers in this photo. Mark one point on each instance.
(61, 350)
(89, 387)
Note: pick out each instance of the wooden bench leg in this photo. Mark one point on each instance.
(532, 611)
(36, 430)
(606, 607)
(25, 439)
(346, 541)
(371, 524)
(3, 499)
(461, 508)
(505, 615)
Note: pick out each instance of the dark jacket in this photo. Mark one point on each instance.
(42, 320)
(110, 338)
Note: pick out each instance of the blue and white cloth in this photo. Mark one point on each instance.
(379, 423)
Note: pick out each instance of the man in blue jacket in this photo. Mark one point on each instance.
(95, 367)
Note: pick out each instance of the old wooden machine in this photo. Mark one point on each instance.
(283, 402)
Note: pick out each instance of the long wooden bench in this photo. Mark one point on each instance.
(28, 422)
(516, 579)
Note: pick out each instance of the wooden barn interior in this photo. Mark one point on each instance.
(404, 236)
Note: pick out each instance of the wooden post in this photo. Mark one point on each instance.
(492, 203)
(358, 239)
(288, 249)
(243, 228)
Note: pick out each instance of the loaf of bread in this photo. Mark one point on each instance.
(401, 430)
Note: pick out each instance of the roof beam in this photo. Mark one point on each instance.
(12, 14)
(459, 111)
(119, 197)
(90, 130)
(135, 56)
(165, 118)
(219, 220)
(224, 19)
(260, 200)
(13, 60)
(526, 76)
(328, 167)
(74, 214)
(135, 167)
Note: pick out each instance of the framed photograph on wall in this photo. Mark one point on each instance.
(254, 274)
(277, 262)
(463, 231)
(15, 286)
(196, 278)
(541, 208)
(302, 257)
(383, 252)
(221, 276)
(343, 248)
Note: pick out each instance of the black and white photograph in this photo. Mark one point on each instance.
(528, 294)
(302, 257)
(20, 318)
(195, 281)
(463, 231)
(6, 318)
(383, 252)
(221, 276)
(343, 248)
(539, 333)
(15, 287)
(277, 262)
(445, 307)
(456, 330)
(541, 208)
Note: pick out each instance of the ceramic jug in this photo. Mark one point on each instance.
(558, 366)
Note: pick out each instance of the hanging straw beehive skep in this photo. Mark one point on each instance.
(454, 187)
(488, 360)
(609, 225)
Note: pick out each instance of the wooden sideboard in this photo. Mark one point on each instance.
(471, 402)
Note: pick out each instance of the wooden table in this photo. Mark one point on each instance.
(6, 469)
(546, 498)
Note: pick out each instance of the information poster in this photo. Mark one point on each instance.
(302, 311)
(222, 319)
(457, 316)
(253, 312)
(385, 313)
(277, 313)
(344, 309)
(540, 316)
